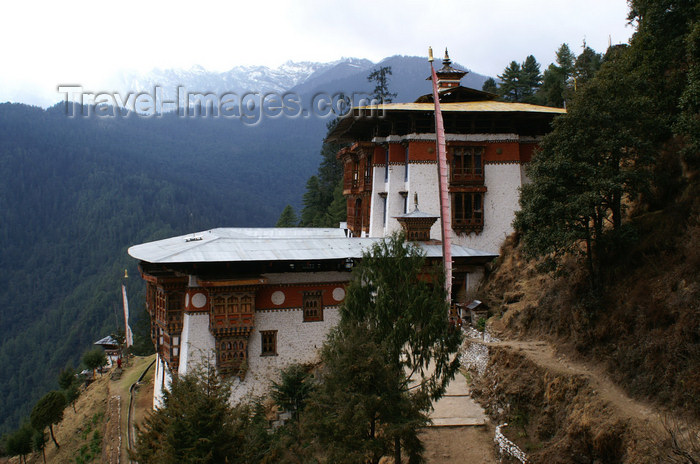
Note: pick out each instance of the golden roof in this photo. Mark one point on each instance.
(473, 106)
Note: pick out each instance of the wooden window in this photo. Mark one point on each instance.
(313, 306)
(269, 342)
(384, 211)
(386, 165)
(230, 304)
(468, 211)
(467, 164)
(218, 304)
(405, 164)
(161, 303)
(355, 173)
(246, 304)
(368, 171)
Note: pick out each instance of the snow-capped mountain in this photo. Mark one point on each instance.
(239, 79)
(346, 75)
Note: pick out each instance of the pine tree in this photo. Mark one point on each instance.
(530, 78)
(511, 89)
(293, 389)
(555, 82)
(381, 91)
(288, 218)
(587, 65)
(66, 378)
(393, 324)
(20, 442)
(321, 203)
(490, 86)
(47, 412)
(39, 443)
(94, 359)
(313, 205)
(194, 424)
(607, 147)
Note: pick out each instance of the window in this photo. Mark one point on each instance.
(161, 304)
(313, 306)
(269, 342)
(468, 211)
(386, 165)
(224, 304)
(467, 164)
(384, 211)
(405, 164)
(467, 188)
(368, 171)
(384, 215)
(355, 173)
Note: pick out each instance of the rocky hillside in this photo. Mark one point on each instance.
(610, 378)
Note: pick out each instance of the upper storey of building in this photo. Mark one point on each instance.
(465, 111)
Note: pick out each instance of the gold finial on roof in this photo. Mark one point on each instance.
(430, 54)
(126, 276)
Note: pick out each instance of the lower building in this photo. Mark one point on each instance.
(254, 301)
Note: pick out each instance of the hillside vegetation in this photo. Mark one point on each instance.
(604, 263)
(76, 193)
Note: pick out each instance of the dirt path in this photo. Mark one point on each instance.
(111, 451)
(543, 354)
(459, 445)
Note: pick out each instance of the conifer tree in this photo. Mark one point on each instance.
(19, 443)
(197, 425)
(380, 78)
(609, 144)
(511, 89)
(324, 205)
(555, 82)
(530, 78)
(393, 324)
(288, 218)
(66, 378)
(47, 412)
(587, 65)
(490, 85)
(94, 359)
(39, 443)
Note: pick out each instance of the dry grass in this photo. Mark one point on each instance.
(77, 429)
(643, 328)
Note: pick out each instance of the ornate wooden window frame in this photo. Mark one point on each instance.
(268, 343)
(312, 306)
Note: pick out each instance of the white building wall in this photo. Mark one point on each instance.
(500, 204)
(196, 342)
(422, 178)
(502, 182)
(376, 228)
(161, 382)
(297, 342)
(394, 199)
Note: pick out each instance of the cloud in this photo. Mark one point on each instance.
(86, 41)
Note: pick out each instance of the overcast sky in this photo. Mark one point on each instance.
(47, 43)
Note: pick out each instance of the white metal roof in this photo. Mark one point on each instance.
(269, 244)
(108, 340)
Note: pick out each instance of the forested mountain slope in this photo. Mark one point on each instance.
(75, 193)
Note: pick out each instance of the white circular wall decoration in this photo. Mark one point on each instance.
(278, 297)
(338, 293)
(199, 300)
